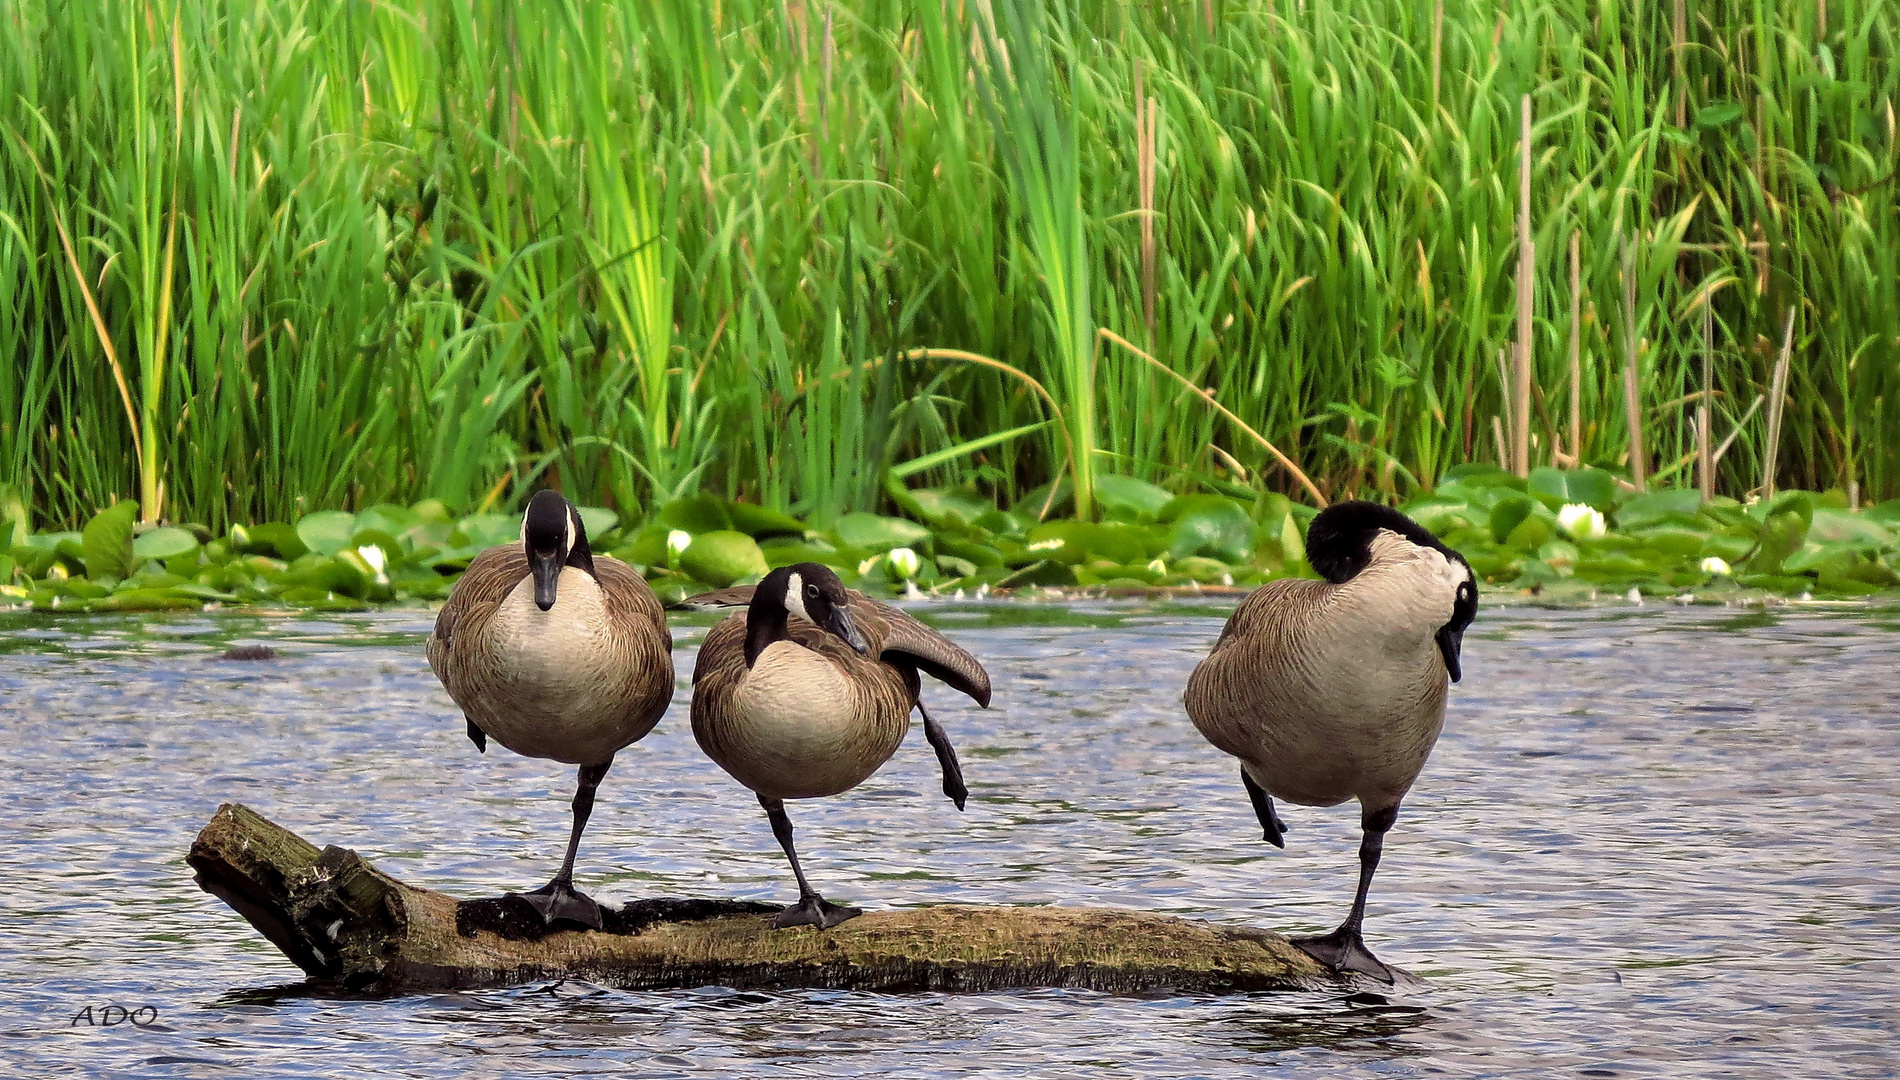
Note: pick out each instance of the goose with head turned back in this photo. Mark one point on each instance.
(1334, 690)
(808, 692)
(555, 653)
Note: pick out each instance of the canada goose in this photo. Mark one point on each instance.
(800, 708)
(1334, 690)
(574, 681)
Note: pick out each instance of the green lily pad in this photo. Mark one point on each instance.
(1784, 530)
(697, 514)
(1508, 514)
(760, 522)
(106, 543)
(949, 506)
(1124, 498)
(271, 537)
(874, 532)
(1840, 526)
(777, 555)
(164, 543)
(1529, 534)
(482, 531)
(326, 532)
(1045, 572)
(1555, 488)
(1080, 541)
(1674, 506)
(1211, 526)
(598, 521)
(386, 517)
(723, 557)
(432, 510)
(167, 599)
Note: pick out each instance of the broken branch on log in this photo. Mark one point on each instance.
(348, 924)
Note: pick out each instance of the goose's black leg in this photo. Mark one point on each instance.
(477, 736)
(1272, 829)
(558, 899)
(946, 758)
(1344, 949)
(811, 909)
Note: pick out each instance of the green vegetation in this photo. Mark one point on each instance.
(263, 260)
(1546, 535)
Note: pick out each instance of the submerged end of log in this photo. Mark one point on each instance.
(346, 923)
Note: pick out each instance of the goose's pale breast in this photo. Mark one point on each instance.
(556, 680)
(796, 726)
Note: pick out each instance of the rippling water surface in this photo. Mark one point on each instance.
(1651, 843)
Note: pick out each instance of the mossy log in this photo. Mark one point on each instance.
(348, 924)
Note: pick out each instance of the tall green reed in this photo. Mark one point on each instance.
(341, 254)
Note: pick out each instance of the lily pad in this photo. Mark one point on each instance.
(326, 532)
(598, 521)
(949, 506)
(147, 600)
(723, 557)
(877, 533)
(1658, 507)
(697, 514)
(106, 543)
(1508, 514)
(761, 522)
(1124, 498)
(1784, 530)
(271, 537)
(386, 517)
(1555, 487)
(164, 543)
(482, 531)
(1211, 526)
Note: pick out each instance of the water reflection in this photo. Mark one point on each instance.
(1652, 842)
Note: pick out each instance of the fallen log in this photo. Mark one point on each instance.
(347, 924)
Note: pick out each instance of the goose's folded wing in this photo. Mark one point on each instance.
(629, 597)
(909, 642)
(737, 596)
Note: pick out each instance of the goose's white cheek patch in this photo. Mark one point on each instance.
(795, 597)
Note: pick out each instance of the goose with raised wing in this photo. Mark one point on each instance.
(808, 692)
(555, 653)
(1334, 690)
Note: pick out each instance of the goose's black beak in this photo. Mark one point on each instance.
(1449, 642)
(839, 622)
(546, 568)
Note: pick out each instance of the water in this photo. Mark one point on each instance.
(1651, 843)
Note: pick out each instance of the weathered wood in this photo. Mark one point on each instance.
(344, 922)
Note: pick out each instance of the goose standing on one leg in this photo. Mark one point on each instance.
(556, 653)
(1334, 690)
(809, 691)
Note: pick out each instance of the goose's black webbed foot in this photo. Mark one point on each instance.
(815, 910)
(559, 900)
(1345, 950)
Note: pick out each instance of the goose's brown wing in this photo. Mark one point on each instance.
(909, 643)
(472, 603)
(737, 596)
(899, 639)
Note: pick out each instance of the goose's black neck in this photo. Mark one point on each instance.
(764, 620)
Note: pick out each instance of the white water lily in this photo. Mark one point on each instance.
(905, 562)
(378, 562)
(677, 542)
(1581, 522)
(1715, 564)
